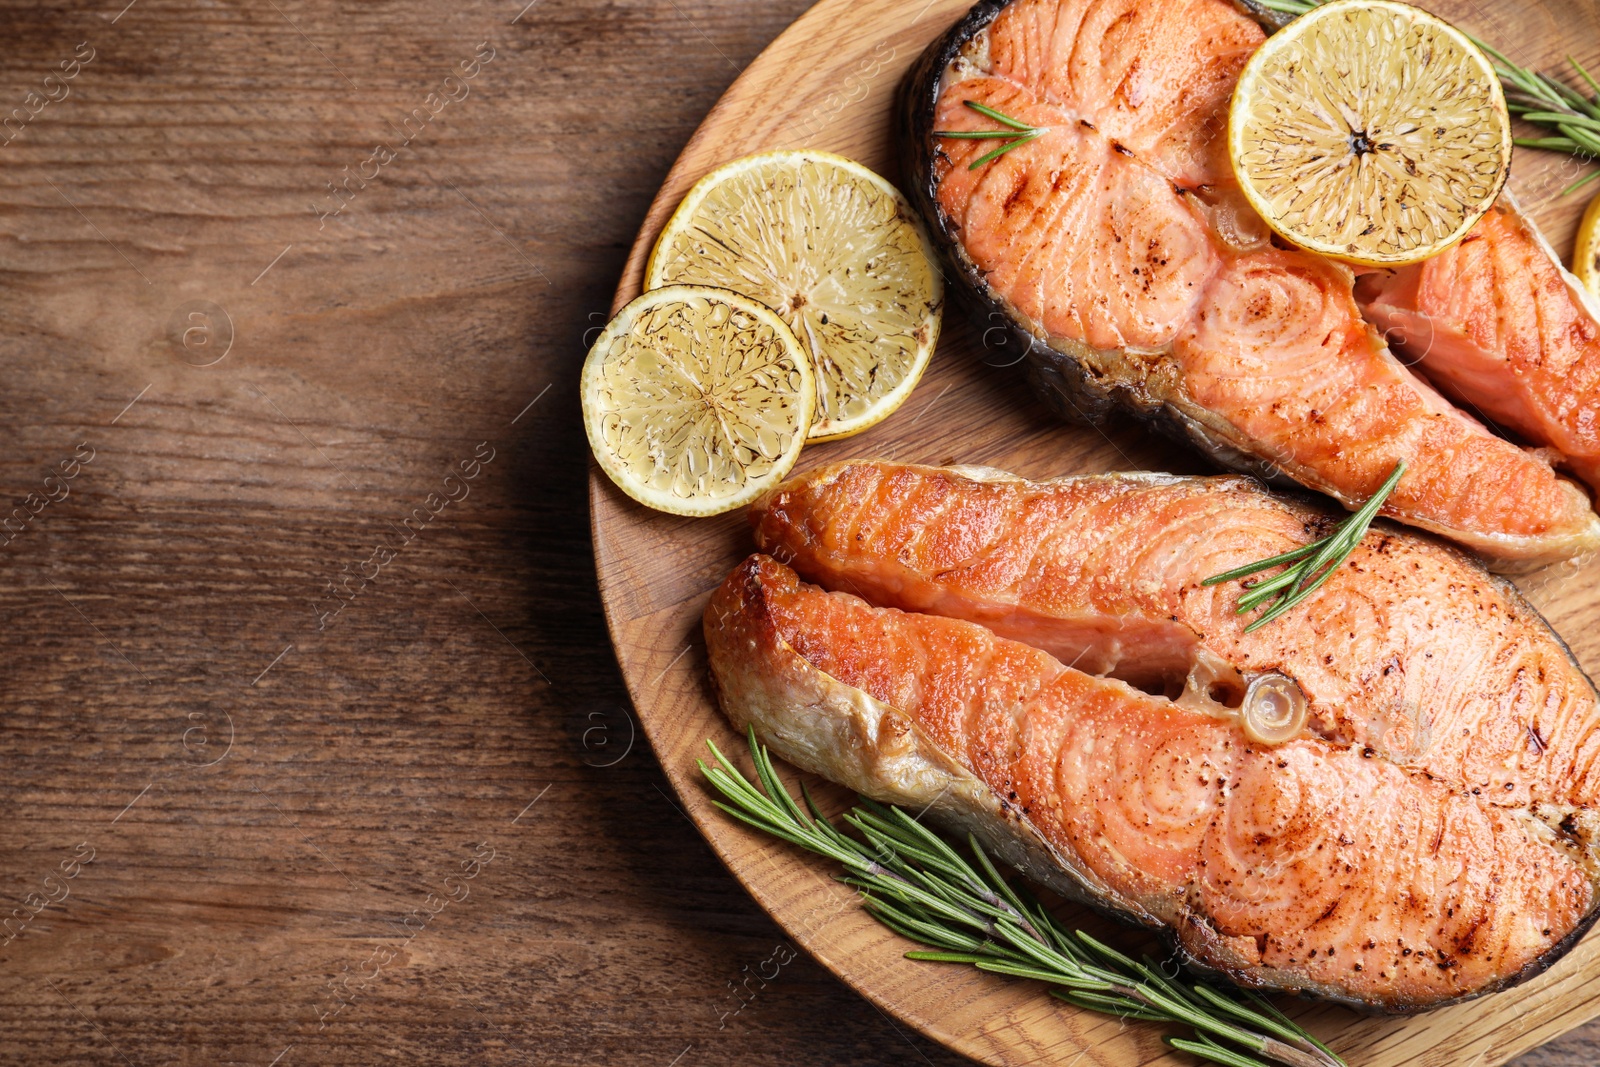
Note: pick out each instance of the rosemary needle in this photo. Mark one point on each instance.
(1317, 561)
(912, 881)
(1534, 97)
(1015, 135)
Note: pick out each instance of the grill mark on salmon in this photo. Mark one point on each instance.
(1118, 247)
(1499, 323)
(1306, 867)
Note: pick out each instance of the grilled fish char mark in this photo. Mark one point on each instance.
(1305, 867)
(1118, 247)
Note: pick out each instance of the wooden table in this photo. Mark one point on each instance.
(315, 746)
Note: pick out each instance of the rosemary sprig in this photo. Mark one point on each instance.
(1534, 97)
(1304, 578)
(916, 884)
(1015, 135)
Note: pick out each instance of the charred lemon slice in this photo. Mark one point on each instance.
(1586, 252)
(696, 400)
(1370, 131)
(832, 248)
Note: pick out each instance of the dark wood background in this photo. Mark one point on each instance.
(424, 828)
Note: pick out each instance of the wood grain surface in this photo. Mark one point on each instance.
(270, 795)
(828, 82)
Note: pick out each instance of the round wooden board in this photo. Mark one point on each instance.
(828, 82)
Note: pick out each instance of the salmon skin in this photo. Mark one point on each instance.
(1121, 256)
(1501, 325)
(1040, 661)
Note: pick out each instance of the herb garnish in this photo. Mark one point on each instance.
(917, 885)
(1304, 578)
(1019, 133)
(1534, 97)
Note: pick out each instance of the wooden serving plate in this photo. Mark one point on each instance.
(829, 82)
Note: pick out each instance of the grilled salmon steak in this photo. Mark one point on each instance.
(1120, 249)
(1502, 326)
(1041, 663)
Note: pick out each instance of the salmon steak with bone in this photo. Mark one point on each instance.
(1387, 797)
(1113, 238)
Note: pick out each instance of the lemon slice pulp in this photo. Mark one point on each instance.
(1586, 252)
(1370, 131)
(696, 400)
(837, 252)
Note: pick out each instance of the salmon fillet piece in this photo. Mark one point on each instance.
(1410, 652)
(1497, 322)
(1121, 246)
(1308, 867)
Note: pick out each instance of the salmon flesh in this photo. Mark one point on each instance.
(1039, 663)
(1505, 329)
(1120, 252)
